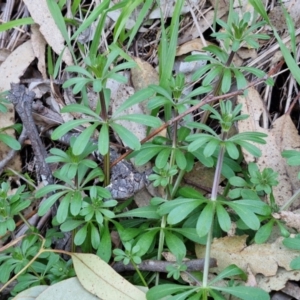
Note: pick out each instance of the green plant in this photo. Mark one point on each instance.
(12, 205)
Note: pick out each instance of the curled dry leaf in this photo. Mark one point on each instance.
(101, 280)
(263, 258)
(282, 136)
(291, 219)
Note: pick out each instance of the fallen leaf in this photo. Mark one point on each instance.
(261, 258)
(101, 280)
(282, 136)
(278, 281)
(66, 289)
(39, 49)
(143, 75)
(193, 45)
(40, 13)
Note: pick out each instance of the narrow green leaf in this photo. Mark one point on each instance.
(205, 219)
(245, 292)
(83, 139)
(264, 232)
(175, 245)
(10, 141)
(223, 217)
(66, 127)
(142, 119)
(16, 23)
(182, 211)
(137, 97)
(148, 212)
(127, 137)
(103, 139)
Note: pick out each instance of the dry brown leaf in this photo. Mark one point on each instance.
(41, 15)
(264, 258)
(283, 135)
(39, 46)
(143, 75)
(277, 282)
(193, 45)
(291, 219)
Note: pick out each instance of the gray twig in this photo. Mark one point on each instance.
(160, 266)
(22, 101)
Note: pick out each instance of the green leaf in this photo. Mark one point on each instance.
(95, 236)
(295, 263)
(137, 97)
(127, 137)
(247, 216)
(81, 234)
(66, 127)
(205, 219)
(105, 248)
(162, 290)
(80, 70)
(238, 181)
(180, 159)
(83, 139)
(292, 243)
(47, 204)
(223, 217)
(63, 208)
(180, 212)
(10, 141)
(226, 80)
(264, 232)
(191, 234)
(228, 272)
(147, 154)
(175, 245)
(148, 212)
(16, 23)
(142, 119)
(103, 140)
(70, 225)
(162, 158)
(245, 292)
(80, 108)
(145, 241)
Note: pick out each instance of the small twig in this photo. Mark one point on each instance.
(160, 266)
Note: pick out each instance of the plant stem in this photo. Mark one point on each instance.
(106, 157)
(139, 273)
(161, 243)
(214, 195)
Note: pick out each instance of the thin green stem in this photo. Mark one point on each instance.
(106, 168)
(139, 273)
(161, 241)
(26, 222)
